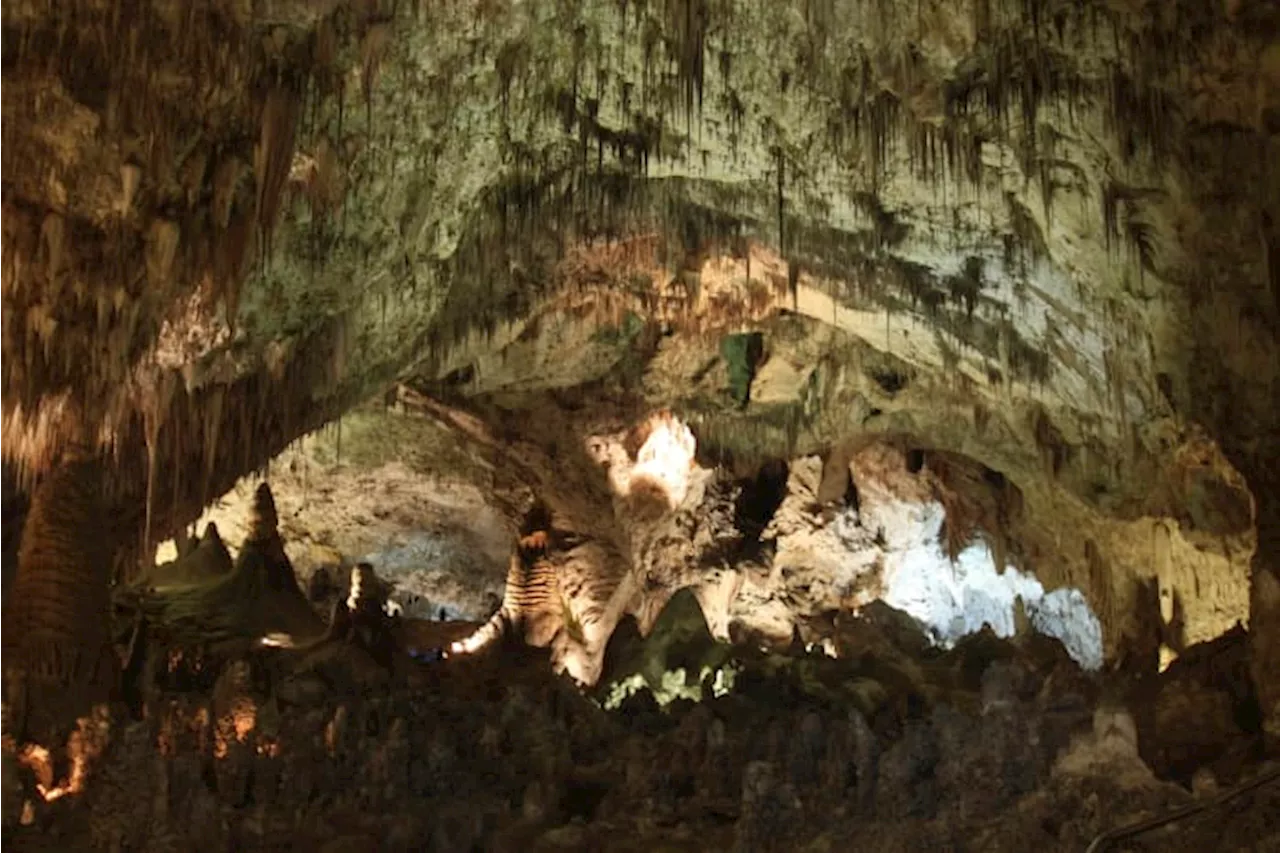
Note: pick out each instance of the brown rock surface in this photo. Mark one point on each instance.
(968, 306)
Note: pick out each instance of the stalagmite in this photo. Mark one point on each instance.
(59, 660)
(260, 596)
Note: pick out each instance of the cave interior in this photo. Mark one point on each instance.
(752, 425)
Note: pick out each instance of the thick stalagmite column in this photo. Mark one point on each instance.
(14, 510)
(1264, 616)
(58, 655)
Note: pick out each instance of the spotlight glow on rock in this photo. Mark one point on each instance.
(485, 635)
(665, 459)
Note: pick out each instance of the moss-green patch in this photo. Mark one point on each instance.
(741, 354)
(950, 355)
(922, 287)
(811, 395)
(1124, 222)
(1025, 243)
(623, 334)
(635, 347)
(887, 228)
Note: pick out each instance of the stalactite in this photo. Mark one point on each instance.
(176, 445)
(306, 471)
(162, 247)
(211, 428)
(781, 199)
(1045, 169)
(54, 246)
(226, 178)
(151, 487)
(156, 406)
(955, 146)
(689, 21)
(273, 156)
(373, 48)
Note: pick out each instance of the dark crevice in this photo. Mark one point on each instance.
(890, 381)
(583, 797)
(1165, 383)
(851, 499)
(461, 377)
(758, 501)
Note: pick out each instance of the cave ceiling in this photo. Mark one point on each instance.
(1045, 235)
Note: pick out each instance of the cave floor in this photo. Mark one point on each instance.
(988, 747)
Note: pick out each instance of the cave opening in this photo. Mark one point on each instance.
(385, 496)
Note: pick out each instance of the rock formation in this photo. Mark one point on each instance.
(59, 661)
(968, 308)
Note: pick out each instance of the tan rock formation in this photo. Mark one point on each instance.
(1035, 243)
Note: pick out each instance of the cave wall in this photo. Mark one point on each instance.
(226, 222)
(1074, 146)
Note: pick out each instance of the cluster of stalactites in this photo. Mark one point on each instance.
(33, 438)
(82, 338)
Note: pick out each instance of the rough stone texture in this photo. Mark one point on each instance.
(768, 551)
(397, 490)
(894, 745)
(1020, 200)
(506, 756)
(59, 659)
(1042, 235)
(1041, 505)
